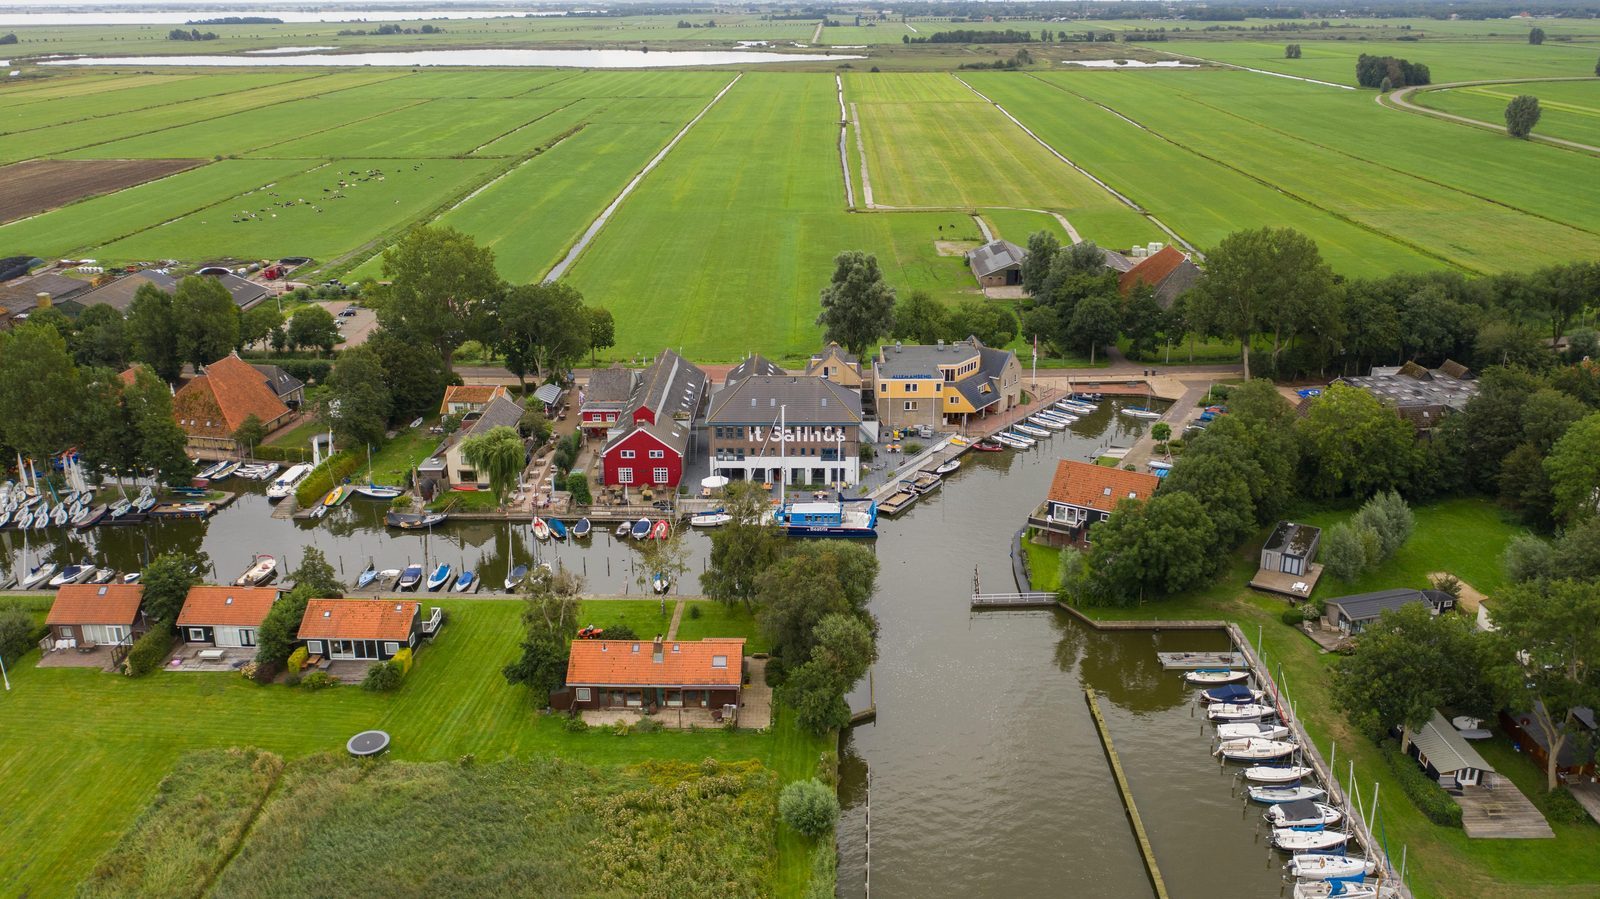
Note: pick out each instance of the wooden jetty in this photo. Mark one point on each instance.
(897, 503)
(1189, 661)
(1019, 600)
(1146, 851)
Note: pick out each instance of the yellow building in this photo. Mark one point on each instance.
(944, 385)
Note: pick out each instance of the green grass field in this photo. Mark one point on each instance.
(1568, 109)
(1462, 536)
(1447, 60)
(114, 738)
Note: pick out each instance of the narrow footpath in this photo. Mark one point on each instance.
(1401, 99)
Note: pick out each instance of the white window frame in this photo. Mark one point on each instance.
(247, 636)
(582, 694)
(660, 475)
(911, 406)
(116, 632)
(314, 647)
(624, 476)
(625, 454)
(658, 454)
(719, 661)
(197, 634)
(391, 646)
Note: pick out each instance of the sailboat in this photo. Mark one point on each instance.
(660, 582)
(1214, 677)
(1276, 774)
(515, 577)
(1251, 749)
(372, 490)
(1241, 730)
(1328, 866)
(1343, 889)
(1302, 813)
(1250, 711)
(367, 576)
(410, 577)
(464, 581)
(1291, 840)
(1275, 795)
(540, 529)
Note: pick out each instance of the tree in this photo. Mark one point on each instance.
(1536, 36)
(37, 383)
(1547, 414)
(206, 319)
(317, 575)
(1388, 516)
(257, 325)
(744, 548)
(812, 580)
(857, 306)
(921, 319)
(534, 424)
(809, 806)
(843, 649)
(1096, 322)
(1143, 320)
(278, 635)
(102, 424)
(1344, 550)
(1291, 51)
(1528, 558)
(167, 580)
(1352, 445)
(992, 323)
(162, 444)
(415, 374)
(1161, 432)
(312, 327)
(578, 486)
(1573, 467)
(101, 339)
(1522, 113)
(542, 328)
(551, 619)
(250, 433)
(1042, 246)
(602, 331)
(668, 556)
(359, 404)
(1268, 278)
(1409, 663)
(18, 633)
(500, 454)
(153, 333)
(1554, 626)
(442, 284)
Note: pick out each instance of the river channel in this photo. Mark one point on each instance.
(987, 778)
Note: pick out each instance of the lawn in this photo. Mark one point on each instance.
(437, 127)
(393, 462)
(114, 738)
(1044, 566)
(125, 95)
(1458, 535)
(299, 436)
(1447, 60)
(1569, 109)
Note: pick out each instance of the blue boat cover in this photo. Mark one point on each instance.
(1230, 693)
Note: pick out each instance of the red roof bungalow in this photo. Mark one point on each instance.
(1083, 494)
(225, 616)
(459, 399)
(84, 616)
(634, 674)
(212, 406)
(652, 443)
(372, 629)
(1168, 272)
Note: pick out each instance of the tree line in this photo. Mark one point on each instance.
(1388, 72)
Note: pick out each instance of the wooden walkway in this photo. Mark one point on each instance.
(1500, 813)
(1182, 661)
(1036, 600)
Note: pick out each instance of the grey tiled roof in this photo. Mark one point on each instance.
(806, 400)
(1362, 606)
(243, 290)
(994, 362)
(995, 256)
(501, 412)
(281, 382)
(671, 387)
(609, 387)
(119, 293)
(1413, 385)
(753, 364)
(1115, 261)
(922, 360)
(24, 291)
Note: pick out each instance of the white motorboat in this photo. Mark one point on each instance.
(1276, 774)
(1158, 465)
(1232, 711)
(1216, 677)
(1250, 749)
(1302, 813)
(540, 529)
(1015, 440)
(1257, 697)
(73, 574)
(1343, 889)
(261, 570)
(660, 583)
(1030, 430)
(710, 519)
(623, 530)
(36, 578)
(103, 576)
(1290, 840)
(1075, 407)
(289, 480)
(379, 491)
(945, 468)
(1327, 866)
(1243, 730)
(1275, 795)
(1048, 423)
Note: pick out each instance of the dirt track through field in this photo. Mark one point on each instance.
(29, 188)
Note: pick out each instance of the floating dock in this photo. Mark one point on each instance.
(1189, 661)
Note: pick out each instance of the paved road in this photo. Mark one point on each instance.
(1401, 99)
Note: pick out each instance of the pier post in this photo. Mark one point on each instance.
(1139, 835)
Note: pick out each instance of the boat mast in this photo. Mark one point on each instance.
(783, 454)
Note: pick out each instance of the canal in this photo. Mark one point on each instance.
(987, 778)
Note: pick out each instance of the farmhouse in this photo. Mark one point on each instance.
(447, 465)
(1577, 759)
(363, 629)
(836, 365)
(118, 293)
(225, 617)
(460, 399)
(23, 295)
(601, 401)
(1422, 396)
(789, 428)
(997, 263)
(651, 443)
(663, 674)
(212, 406)
(1352, 614)
(84, 616)
(1167, 271)
(290, 389)
(942, 385)
(1083, 494)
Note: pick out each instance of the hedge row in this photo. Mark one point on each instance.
(1429, 798)
(149, 652)
(269, 453)
(322, 478)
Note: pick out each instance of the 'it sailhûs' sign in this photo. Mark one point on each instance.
(801, 435)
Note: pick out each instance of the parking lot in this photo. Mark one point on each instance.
(356, 326)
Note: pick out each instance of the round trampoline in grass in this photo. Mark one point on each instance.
(368, 743)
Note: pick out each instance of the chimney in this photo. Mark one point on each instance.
(655, 652)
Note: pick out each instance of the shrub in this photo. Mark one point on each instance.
(266, 670)
(149, 652)
(1447, 583)
(912, 448)
(18, 633)
(824, 882)
(809, 807)
(1293, 616)
(621, 729)
(648, 726)
(1560, 806)
(1389, 516)
(248, 671)
(297, 659)
(318, 680)
(574, 724)
(292, 679)
(403, 658)
(578, 486)
(383, 678)
(1344, 550)
(1429, 798)
(332, 470)
(694, 611)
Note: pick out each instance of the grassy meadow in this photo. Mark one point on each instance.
(1447, 60)
(114, 739)
(1568, 109)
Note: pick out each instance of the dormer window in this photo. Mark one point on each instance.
(719, 661)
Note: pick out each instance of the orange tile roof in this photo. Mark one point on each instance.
(228, 606)
(1098, 487)
(96, 604)
(216, 403)
(476, 394)
(631, 663)
(130, 374)
(1152, 270)
(358, 619)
